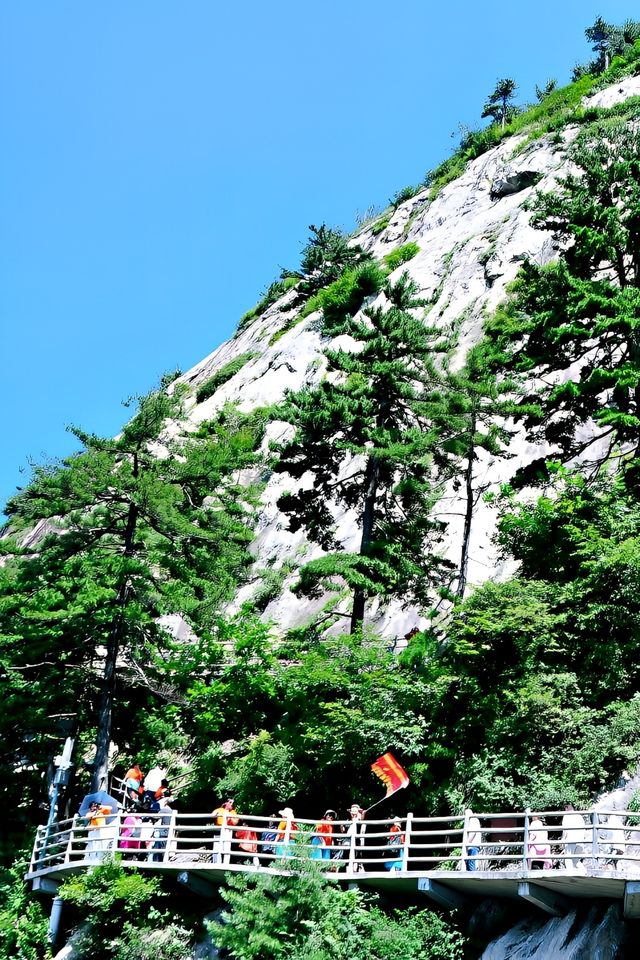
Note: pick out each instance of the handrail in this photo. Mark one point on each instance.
(505, 842)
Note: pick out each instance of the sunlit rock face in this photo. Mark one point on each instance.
(473, 238)
(593, 933)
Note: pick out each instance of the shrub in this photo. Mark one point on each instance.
(326, 256)
(221, 376)
(343, 298)
(399, 256)
(381, 225)
(23, 925)
(305, 917)
(401, 196)
(276, 290)
(121, 920)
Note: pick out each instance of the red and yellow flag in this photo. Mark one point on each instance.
(391, 773)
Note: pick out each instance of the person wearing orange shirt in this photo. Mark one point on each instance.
(99, 833)
(226, 818)
(323, 839)
(133, 780)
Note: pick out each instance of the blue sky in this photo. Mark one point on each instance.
(161, 161)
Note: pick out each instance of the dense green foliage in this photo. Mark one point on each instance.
(380, 225)
(308, 918)
(130, 536)
(23, 924)
(584, 309)
(121, 917)
(221, 376)
(300, 717)
(539, 700)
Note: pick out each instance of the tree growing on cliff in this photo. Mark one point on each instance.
(581, 314)
(600, 34)
(141, 525)
(499, 105)
(469, 410)
(326, 255)
(365, 437)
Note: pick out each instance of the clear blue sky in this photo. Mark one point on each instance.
(161, 160)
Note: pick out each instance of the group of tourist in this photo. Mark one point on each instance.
(574, 846)
(144, 832)
(236, 841)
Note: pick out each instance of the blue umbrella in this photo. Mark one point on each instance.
(101, 797)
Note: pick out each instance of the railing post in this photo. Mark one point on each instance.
(287, 838)
(463, 849)
(352, 849)
(407, 840)
(594, 838)
(171, 832)
(68, 851)
(35, 855)
(525, 839)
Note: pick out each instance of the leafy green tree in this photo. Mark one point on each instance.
(533, 698)
(499, 105)
(121, 916)
(297, 718)
(364, 436)
(141, 525)
(581, 314)
(304, 917)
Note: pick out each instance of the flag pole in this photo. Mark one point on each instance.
(374, 805)
(386, 797)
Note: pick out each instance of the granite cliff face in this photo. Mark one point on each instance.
(473, 238)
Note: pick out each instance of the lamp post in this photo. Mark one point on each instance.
(60, 778)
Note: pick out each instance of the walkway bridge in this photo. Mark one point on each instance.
(447, 859)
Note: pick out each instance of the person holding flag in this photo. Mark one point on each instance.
(355, 837)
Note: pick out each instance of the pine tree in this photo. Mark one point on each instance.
(142, 525)
(364, 436)
(543, 92)
(326, 255)
(581, 314)
(600, 35)
(499, 105)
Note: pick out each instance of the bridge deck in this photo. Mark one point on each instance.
(448, 860)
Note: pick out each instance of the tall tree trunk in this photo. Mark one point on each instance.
(372, 475)
(468, 515)
(100, 778)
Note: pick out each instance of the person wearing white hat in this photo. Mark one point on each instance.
(355, 833)
(286, 829)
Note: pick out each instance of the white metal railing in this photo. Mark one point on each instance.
(496, 842)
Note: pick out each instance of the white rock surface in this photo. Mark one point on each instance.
(472, 245)
(600, 935)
